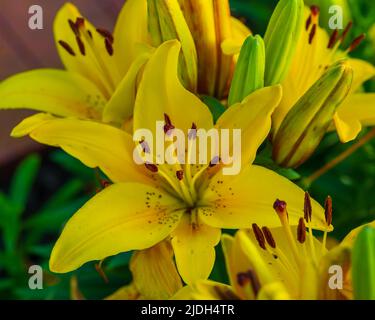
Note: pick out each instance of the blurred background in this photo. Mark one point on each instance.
(40, 188)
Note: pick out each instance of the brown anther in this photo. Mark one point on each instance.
(108, 46)
(81, 46)
(259, 236)
(89, 33)
(193, 132)
(312, 33)
(308, 22)
(105, 33)
(180, 174)
(314, 10)
(346, 31)
(280, 208)
(145, 146)
(249, 276)
(269, 237)
(74, 28)
(355, 43)
(215, 161)
(67, 47)
(152, 167)
(307, 209)
(332, 39)
(301, 231)
(168, 124)
(328, 210)
(80, 22)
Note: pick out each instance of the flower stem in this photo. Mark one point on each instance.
(341, 157)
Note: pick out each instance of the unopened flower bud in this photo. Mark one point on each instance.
(309, 119)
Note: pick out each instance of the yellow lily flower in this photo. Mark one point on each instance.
(280, 264)
(202, 27)
(101, 73)
(149, 203)
(316, 51)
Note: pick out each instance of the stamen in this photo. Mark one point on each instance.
(67, 47)
(314, 10)
(355, 43)
(259, 236)
(73, 26)
(249, 277)
(308, 22)
(312, 33)
(145, 146)
(280, 208)
(81, 46)
(307, 209)
(269, 238)
(168, 124)
(105, 33)
(332, 39)
(301, 231)
(89, 33)
(346, 31)
(180, 174)
(108, 46)
(152, 167)
(80, 22)
(214, 161)
(328, 210)
(193, 132)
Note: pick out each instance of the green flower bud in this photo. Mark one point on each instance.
(249, 73)
(363, 265)
(166, 22)
(309, 119)
(281, 39)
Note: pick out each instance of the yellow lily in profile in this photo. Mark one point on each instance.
(100, 79)
(281, 263)
(150, 203)
(316, 51)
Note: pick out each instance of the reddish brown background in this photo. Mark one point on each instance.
(24, 49)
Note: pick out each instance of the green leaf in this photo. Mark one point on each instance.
(215, 106)
(363, 265)
(23, 180)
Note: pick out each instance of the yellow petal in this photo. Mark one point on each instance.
(55, 91)
(362, 71)
(273, 291)
(154, 272)
(239, 201)
(160, 92)
(359, 106)
(123, 217)
(96, 65)
(253, 117)
(352, 235)
(194, 247)
(210, 290)
(121, 105)
(131, 30)
(95, 144)
(128, 292)
(347, 127)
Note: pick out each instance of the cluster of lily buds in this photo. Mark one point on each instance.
(201, 26)
(309, 119)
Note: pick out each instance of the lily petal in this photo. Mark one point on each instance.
(55, 91)
(128, 292)
(194, 248)
(362, 71)
(121, 105)
(239, 201)
(123, 217)
(253, 117)
(160, 92)
(347, 128)
(154, 272)
(96, 64)
(131, 29)
(95, 144)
